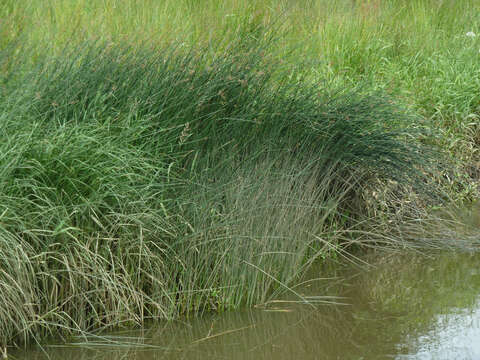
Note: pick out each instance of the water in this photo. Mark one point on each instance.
(405, 307)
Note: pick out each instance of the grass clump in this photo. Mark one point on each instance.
(140, 184)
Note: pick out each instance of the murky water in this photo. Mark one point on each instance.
(405, 307)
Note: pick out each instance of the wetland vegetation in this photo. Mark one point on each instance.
(170, 158)
(405, 306)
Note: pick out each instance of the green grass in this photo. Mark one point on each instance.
(169, 159)
(417, 51)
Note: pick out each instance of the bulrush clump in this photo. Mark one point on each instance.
(143, 184)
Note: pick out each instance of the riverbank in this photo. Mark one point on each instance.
(407, 305)
(149, 180)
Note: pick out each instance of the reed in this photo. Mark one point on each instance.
(147, 184)
(198, 170)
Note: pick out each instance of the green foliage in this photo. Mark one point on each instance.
(161, 178)
(139, 184)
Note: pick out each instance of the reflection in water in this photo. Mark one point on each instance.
(408, 307)
(453, 336)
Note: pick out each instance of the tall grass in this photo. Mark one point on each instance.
(164, 158)
(139, 184)
(418, 50)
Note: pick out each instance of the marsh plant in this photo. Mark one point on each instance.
(140, 184)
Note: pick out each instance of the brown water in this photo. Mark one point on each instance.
(404, 307)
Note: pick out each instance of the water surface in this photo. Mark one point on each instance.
(405, 307)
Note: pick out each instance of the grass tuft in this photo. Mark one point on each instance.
(151, 180)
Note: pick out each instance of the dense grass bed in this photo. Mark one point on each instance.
(144, 181)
